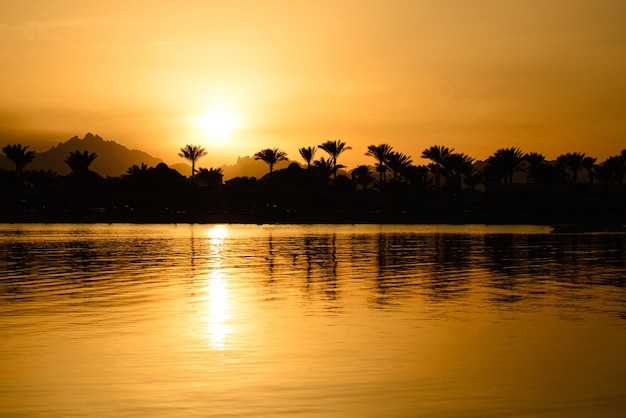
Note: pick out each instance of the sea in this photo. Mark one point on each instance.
(246, 320)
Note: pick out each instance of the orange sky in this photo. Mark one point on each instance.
(544, 75)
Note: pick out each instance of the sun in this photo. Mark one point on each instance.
(219, 124)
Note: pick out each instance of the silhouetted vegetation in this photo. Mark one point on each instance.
(270, 156)
(507, 187)
(20, 156)
(192, 153)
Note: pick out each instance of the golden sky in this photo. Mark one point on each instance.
(545, 75)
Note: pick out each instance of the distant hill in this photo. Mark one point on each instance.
(113, 159)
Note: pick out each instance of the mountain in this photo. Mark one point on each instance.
(113, 159)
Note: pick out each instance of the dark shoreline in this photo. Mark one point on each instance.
(564, 223)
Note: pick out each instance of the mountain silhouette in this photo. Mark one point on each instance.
(113, 159)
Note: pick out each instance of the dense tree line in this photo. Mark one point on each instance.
(508, 186)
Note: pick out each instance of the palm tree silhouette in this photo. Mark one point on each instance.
(380, 153)
(397, 162)
(473, 178)
(572, 161)
(307, 153)
(535, 162)
(438, 154)
(505, 162)
(334, 149)
(326, 168)
(457, 166)
(418, 176)
(610, 170)
(362, 176)
(616, 166)
(136, 170)
(19, 155)
(271, 156)
(210, 177)
(192, 153)
(622, 158)
(79, 162)
(588, 163)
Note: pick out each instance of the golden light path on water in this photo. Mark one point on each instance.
(217, 291)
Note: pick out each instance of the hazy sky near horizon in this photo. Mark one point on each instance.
(544, 75)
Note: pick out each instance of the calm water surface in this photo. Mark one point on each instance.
(310, 321)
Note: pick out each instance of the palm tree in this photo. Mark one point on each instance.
(456, 166)
(622, 158)
(362, 176)
(334, 149)
(79, 162)
(19, 155)
(136, 170)
(210, 177)
(604, 173)
(572, 161)
(535, 161)
(473, 178)
(192, 153)
(534, 158)
(418, 176)
(326, 168)
(381, 153)
(611, 170)
(588, 163)
(271, 156)
(307, 153)
(397, 161)
(438, 154)
(505, 162)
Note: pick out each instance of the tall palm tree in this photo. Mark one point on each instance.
(573, 161)
(308, 154)
(79, 162)
(192, 153)
(438, 154)
(505, 162)
(19, 155)
(334, 149)
(380, 153)
(271, 156)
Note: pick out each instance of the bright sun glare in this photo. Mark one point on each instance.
(219, 124)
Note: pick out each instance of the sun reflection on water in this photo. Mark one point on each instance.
(217, 290)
